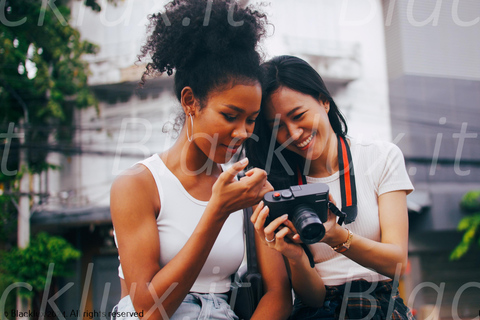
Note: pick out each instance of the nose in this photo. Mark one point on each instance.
(294, 131)
(240, 132)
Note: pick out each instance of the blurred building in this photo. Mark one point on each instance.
(434, 88)
(402, 71)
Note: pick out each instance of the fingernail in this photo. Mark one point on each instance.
(244, 161)
(264, 208)
(285, 216)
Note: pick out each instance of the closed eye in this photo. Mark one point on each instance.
(299, 116)
(228, 117)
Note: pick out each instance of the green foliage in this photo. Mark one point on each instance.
(42, 72)
(470, 224)
(31, 264)
(9, 189)
(471, 201)
(10, 303)
(8, 212)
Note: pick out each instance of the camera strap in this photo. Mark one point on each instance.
(348, 189)
(347, 182)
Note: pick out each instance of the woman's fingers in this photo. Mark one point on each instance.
(251, 187)
(230, 174)
(258, 218)
(256, 213)
(293, 235)
(267, 187)
(275, 224)
(255, 184)
(279, 237)
(290, 225)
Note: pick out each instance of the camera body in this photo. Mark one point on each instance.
(306, 205)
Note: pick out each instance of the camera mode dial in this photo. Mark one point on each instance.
(287, 194)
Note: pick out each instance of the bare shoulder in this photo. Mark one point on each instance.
(134, 188)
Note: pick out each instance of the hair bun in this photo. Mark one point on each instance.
(189, 32)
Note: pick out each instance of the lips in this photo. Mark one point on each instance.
(232, 149)
(304, 144)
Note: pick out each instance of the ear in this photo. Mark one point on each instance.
(326, 105)
(188, 101)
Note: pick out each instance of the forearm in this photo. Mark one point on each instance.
(169, 286)
(276, 303)
(385, 258)
(306, 282)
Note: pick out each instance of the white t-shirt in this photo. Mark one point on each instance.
(178, 217)
(379, 167)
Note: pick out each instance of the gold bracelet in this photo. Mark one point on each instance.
(346, 245)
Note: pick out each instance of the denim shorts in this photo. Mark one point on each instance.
(194, 306)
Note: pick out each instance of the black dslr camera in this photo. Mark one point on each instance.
(307, 207)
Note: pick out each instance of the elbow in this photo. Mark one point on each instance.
(401, 268)
(275, 304)
(319, 302)
(151, 311)
(398, 270)
(142, 309)
(314, 300)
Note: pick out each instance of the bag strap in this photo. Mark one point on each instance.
(252, 265)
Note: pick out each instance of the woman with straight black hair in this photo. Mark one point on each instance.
(368, 181)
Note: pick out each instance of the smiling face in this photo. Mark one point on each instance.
(226, 121)
(302, 123)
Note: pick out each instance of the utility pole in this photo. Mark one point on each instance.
(23, 230)
(23, 223)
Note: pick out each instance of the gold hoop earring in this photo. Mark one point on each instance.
(190, 138)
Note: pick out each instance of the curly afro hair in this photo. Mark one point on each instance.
(209, 44)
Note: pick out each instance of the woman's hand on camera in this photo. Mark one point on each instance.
(334, 233)
(280, 234)
(230, 195)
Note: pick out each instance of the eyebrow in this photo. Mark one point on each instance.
(239, 110)
(288, 114)
(293, 111)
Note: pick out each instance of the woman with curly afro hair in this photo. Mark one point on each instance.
(178, 215)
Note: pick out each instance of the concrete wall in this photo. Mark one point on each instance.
(434, 79)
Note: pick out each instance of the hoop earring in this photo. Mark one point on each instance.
(190, 138)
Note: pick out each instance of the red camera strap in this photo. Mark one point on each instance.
(347, 188)
(347, 181)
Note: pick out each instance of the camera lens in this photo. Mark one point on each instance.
(308, 224)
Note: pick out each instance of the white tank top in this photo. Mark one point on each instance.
(178, 217)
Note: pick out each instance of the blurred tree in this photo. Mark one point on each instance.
(42, 73)
(470, 224)
(43, 79)
(45, 258)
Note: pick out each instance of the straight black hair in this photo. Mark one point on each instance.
(284, 166)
